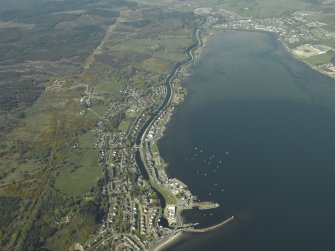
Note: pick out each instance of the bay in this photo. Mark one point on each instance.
(256, 134)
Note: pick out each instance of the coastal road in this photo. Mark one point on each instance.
(169, 92)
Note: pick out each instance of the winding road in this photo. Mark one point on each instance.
(143, 132)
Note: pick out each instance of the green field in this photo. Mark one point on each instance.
(154, 148)
(168, 196)
(78, 230)
(138, 45)
(99, 109)
(159, 65)
(79, 181)
(86, 140)
(109, 86)
(171, 48)
(173, 57)
(124, 125)
(321, 59)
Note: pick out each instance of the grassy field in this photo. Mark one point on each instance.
(158, 65)
(321, 59)
(168, 196)
(171, 49)
(175, 47)
(124, 125)
(79, 230)
(86, 140)
(173, 57)
(79, 181)
(109, 86)
(138, 45)
(154, 148)
(99, 109)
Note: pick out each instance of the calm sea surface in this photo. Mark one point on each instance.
(257, 135)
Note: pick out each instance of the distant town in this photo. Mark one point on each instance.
(303, 38)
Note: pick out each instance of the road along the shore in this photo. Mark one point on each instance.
(167, 101)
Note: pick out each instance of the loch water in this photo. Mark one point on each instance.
(256, 133)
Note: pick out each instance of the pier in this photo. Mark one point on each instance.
(209, 229)
(201, 205)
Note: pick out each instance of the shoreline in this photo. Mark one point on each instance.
(142, 138)
(282, 43)
(300, 59)
(170, 241)
(180, 73)
(291, 54)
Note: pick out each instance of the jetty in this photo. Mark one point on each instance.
(201, 205)
(205, 205)
(209, 229)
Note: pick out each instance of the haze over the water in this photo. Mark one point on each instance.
(257, 135)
